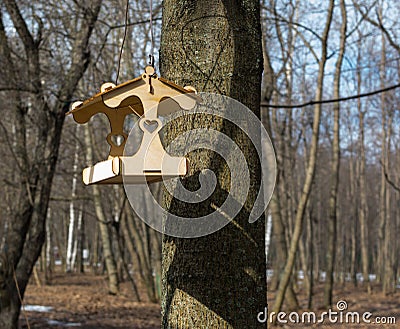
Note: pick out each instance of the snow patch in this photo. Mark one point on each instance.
(63, 324)
(37, 308)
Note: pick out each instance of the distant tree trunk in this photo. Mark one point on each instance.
(77, 242)
(72, 212)
(207, 281)
(81, 242)
(123, 239)
(310, 170)
(95, 250)
(385, 268)
(132, 273)
(303, 264)
(281, 249)
(268, 231)
(137, 231)
(278, 228)
(49, 248)
(383, 191)
(354, 213)
(311, 241)
(389, 278)
(113, 282)
(332, 232)
(118, 247)
(147, 251)
(363, 212)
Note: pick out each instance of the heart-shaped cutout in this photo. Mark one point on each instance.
(117, 140)
(150, 125)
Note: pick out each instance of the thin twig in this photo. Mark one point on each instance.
(388, 180)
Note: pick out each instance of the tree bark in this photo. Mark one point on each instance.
(216, 281)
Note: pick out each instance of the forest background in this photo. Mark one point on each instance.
(344, 233)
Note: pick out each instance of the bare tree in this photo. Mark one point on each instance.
(38, 132)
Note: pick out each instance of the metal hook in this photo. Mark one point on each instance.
(151, 61)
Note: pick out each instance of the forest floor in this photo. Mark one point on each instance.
(82, 301)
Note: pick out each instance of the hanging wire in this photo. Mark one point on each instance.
(335, 100)
(151, 55)
(123, 40)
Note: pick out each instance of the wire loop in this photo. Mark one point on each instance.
(151, 55)
(123, 40)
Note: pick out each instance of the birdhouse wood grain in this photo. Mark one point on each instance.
(144, 97)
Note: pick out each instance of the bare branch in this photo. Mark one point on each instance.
(378, 24)
(388, 180)
(20, 25)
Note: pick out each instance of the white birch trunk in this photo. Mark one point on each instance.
(78, 230)
(268, 231)
(69, 263)
(49, 246)
(70, 236)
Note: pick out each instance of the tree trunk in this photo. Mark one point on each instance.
(389, 278)
(94, 257)
(354, 214)
(49, 248)
(309, 173)
(310, 247)
(216, 281)
(77, 242)
(278, 227)
(363, 213)
(332, 232)
(72, 211)
(81, 242)
(385, 226)
(133, 255)
(136, 231)
(268, 231)
(113, 282)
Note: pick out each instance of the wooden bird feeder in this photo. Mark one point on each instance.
(147, 97)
